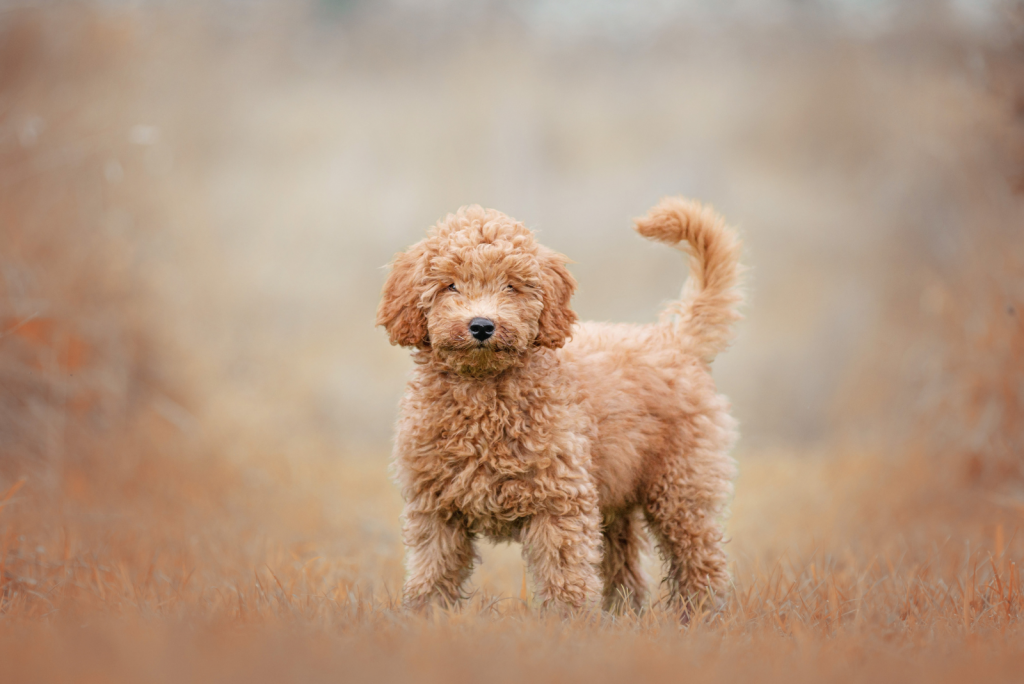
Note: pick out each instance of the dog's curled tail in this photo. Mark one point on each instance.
(709, 305)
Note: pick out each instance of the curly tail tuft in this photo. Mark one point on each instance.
(709, 304)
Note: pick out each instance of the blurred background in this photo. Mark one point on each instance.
(197, 201)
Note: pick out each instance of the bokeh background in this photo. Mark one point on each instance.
(197, 201)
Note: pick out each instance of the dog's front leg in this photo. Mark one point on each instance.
(439, 558)
(562, 548)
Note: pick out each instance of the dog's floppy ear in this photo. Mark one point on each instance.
(557, 284)
(399, 310)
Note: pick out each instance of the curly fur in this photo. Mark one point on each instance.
(567, 446)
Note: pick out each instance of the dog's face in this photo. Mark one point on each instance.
(479, 292)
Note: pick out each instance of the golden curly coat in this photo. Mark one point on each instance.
(560, 434)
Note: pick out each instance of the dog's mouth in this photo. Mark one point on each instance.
(469, 356)
(502, 341)
(476, 349)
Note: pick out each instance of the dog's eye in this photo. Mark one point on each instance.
(451, 288)
(510, 288)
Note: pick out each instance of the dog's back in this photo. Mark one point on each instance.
(649, 398)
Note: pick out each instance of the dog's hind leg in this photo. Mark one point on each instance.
(625, 582)
(684, 501)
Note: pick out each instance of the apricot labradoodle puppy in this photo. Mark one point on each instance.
(521, 424)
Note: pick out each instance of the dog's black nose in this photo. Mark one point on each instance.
(481, 328)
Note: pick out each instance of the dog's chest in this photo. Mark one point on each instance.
(489, 466)
(494, 453)
(486, 460)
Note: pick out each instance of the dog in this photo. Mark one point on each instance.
(520, 423)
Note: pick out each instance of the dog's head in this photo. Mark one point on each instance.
(479, 292)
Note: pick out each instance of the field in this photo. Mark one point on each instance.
(195, 408)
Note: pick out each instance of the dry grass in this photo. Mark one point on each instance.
(140, 590)
(169, 514)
